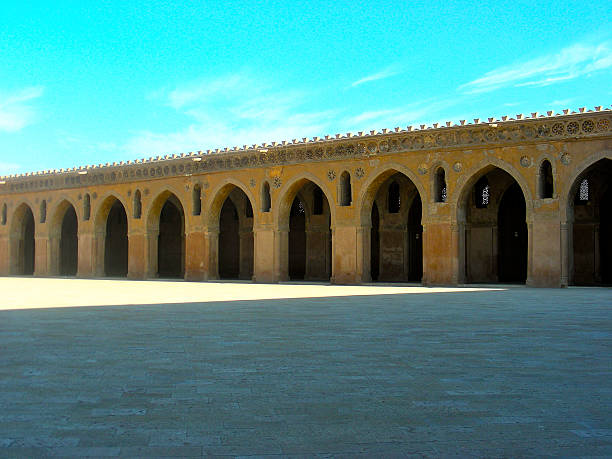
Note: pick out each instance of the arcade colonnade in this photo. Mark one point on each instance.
(537, 213)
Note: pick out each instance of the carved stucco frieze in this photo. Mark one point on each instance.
(511, 132)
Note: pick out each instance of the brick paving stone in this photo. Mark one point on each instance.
(411, 372)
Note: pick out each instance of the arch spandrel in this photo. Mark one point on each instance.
(282, 205)
(211, 208)
(463, 185)
(371, 186)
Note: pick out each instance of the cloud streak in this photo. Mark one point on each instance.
(567, 64)
(231, 110)
(15, 111)
(385, 73)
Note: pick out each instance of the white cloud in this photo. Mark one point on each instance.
(569, 63)
(15, 112)
(385, 73)
(231, 110)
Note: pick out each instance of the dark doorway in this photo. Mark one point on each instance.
(512, 236)
(415, 241)
(229, 241)
(375, 244)
(116, 242)
(69, 244)
(297, 240)
(171, 242)
(27, 244)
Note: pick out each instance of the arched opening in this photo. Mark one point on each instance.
(23, 242)
(171, 239)
(346, 196)
(86, 207)
(309, 254)
(197, 200)
(440, 185)
(266, 201)
(69, 243)
(137, 206)
(545, 180)
(590, 204)
(4, 212)
(396, 235)
(43, 211)
(116, 242)
(493, 229)
(236, 237)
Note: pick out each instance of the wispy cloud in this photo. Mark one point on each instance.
(15, 112)
(232, 110)
(385, 73)
(567, 64)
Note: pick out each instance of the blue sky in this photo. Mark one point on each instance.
(96, 82)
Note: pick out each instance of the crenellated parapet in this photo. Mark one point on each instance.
(507, 131)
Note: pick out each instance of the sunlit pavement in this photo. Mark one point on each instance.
(189, 369)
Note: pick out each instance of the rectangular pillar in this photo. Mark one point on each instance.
(136, 256)
(264, 255)
(545, 252)
(194, 256)
(86, 254)
(349, 253)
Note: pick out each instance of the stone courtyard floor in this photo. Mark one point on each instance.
(155, 368)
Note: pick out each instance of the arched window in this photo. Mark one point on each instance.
(317, 208)
(86, 207)
(137, 208)
(248, 208)
(345, 189)
(266, 201)
(545, 185)
(43, 211)
(197, 200)
(583, 191)
(482, 193)
(4, 214)
(440, 185)
(394, 203)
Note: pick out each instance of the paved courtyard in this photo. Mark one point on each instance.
(121, 368)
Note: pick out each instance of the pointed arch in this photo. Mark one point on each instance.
(391, 209)
(166, 240)
(288, 192)
(230, 215)
(545, 180)
(466, 182)
(22, 245)
(86, 207)
(585, 229)
(492, 210)
(111, 227)
(64, 233)
(345, 191)
(372, 185)
(219, 195)
(266, 200)
(137, 205)
(440, 189)
(196, 198)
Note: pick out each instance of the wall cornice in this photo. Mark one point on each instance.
(493, 133)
